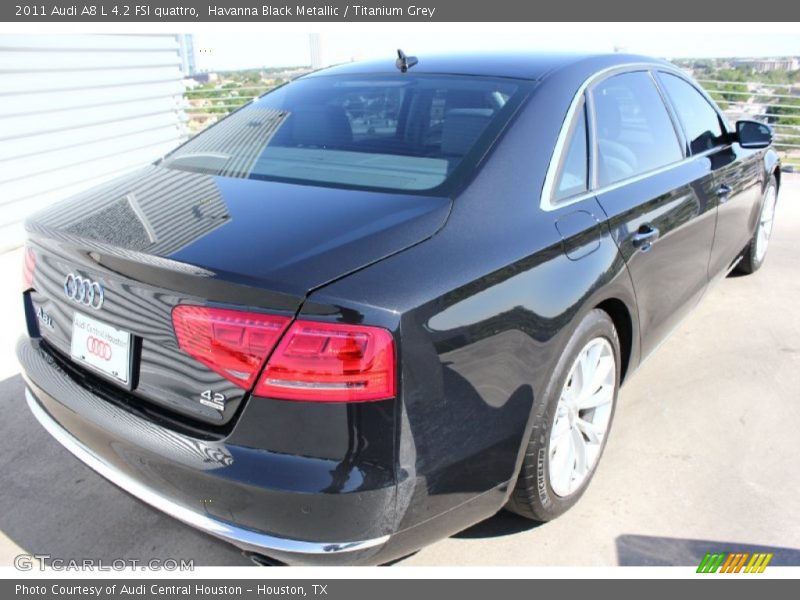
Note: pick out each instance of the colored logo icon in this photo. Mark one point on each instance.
(734, 562)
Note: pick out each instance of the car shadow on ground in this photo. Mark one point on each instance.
(645, 550)
(502, 524)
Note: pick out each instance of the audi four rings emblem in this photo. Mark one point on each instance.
(98, 347)
(83, 291)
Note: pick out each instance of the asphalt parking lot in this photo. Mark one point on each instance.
(702, 456)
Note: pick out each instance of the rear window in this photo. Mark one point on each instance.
(403, 132)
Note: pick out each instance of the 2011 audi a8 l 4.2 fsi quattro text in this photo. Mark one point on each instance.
(382, 302)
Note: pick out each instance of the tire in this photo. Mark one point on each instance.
(534, 496)
(754, 254)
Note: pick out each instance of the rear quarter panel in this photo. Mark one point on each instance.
(481, 312)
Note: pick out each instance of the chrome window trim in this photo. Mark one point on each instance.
(548, 188)
(587, 178)
(591, 115)
(672, 113)
(633, 179)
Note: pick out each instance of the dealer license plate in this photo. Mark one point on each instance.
(101, 347)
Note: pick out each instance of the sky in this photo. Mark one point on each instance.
(272, 46)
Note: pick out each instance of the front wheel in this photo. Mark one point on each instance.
(571, 423)
(756, 251)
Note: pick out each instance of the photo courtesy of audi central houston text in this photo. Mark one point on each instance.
(332, 339)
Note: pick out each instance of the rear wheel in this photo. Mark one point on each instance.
(572, 422)
(756, 251)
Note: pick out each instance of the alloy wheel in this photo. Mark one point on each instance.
(583, 414)
(765, 223)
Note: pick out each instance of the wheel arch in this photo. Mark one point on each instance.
(620, 315)
(772, 166)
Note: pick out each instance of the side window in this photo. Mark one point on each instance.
(634, 131)
(701, 121)
(574, 171)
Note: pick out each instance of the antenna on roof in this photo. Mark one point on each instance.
(403, 62)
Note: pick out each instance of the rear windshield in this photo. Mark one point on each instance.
(403, 132)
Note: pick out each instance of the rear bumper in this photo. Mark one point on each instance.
(239, 536)
(215, 486)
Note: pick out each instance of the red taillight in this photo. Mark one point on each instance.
(331, 362)
(28, 267)
(233, 343)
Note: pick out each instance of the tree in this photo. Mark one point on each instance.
(730, 90)
(786, 113)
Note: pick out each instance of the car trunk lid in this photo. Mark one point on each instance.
(161, 237)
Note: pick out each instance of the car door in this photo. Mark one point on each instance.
(644, 183)
(732, 180)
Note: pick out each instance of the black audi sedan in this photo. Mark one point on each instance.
(384, 301)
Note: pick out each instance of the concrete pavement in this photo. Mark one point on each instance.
(702, 455)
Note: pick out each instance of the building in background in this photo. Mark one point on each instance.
(76, 110)
(315, 47)
(186, 52)
(765, 65)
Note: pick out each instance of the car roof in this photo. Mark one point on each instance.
(517, 64)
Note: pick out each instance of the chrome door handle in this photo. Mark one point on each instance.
(724, 192)
(644, 237)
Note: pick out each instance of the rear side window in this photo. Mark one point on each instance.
(574, 172)
(403, 132)
(634, 131)
(701, 122)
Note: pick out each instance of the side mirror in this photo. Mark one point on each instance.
(752, 134)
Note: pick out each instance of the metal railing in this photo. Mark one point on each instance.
(777, 104)
(772, 103)
(204, 106)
